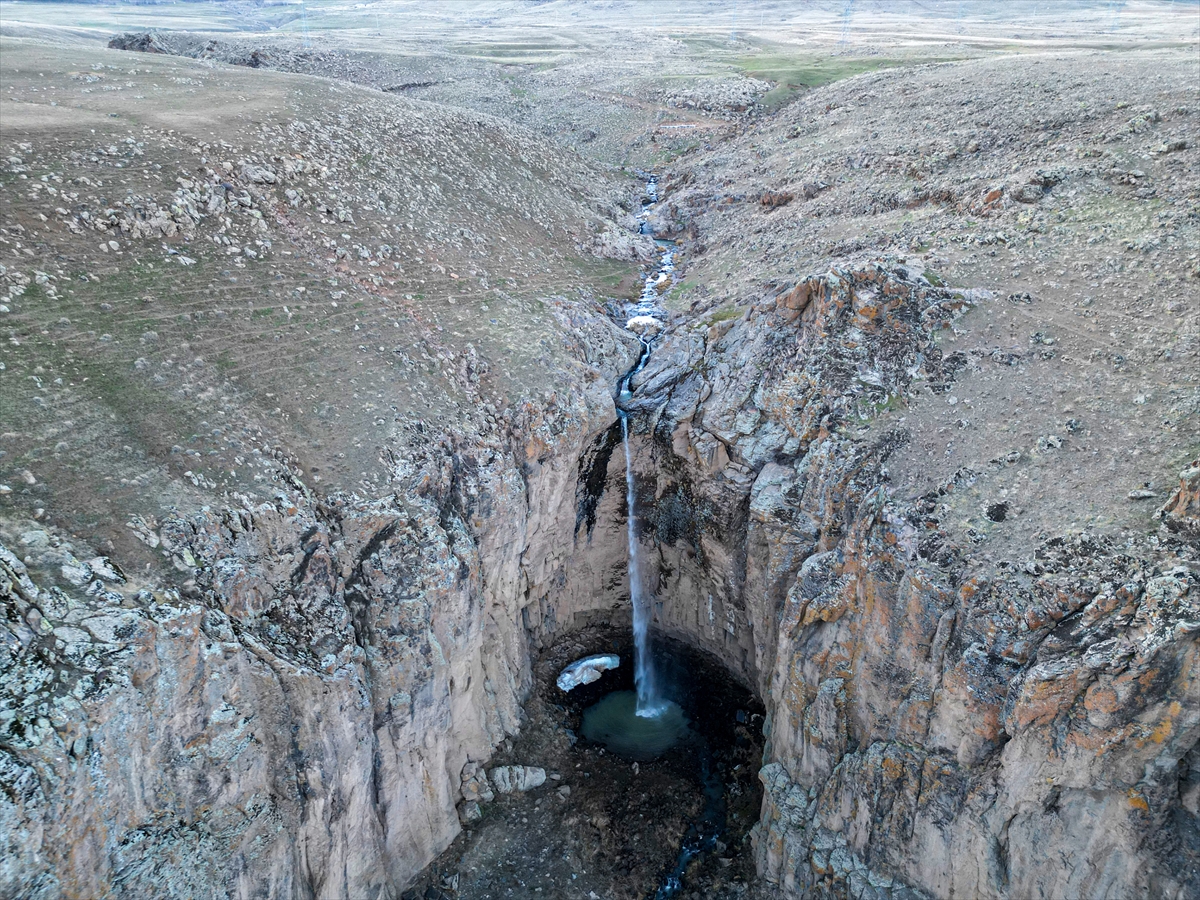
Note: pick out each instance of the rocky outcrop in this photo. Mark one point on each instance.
(616, 243)
(934, 723)
(1182, 512)
(304, 720)
(776, 198)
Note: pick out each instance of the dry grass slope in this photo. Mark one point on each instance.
(205, 265)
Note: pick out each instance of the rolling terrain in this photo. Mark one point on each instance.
(311, 325)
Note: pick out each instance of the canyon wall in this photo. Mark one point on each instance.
(954, 710)
(936, 727)
(296, 723)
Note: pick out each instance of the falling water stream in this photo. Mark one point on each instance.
(649, 703)
(645, 723)
(646, 319)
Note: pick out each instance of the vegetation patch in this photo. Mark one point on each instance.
(793, 72)
(724, 314)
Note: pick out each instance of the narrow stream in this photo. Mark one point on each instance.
(662, 721)
(701, 835)
(646, 321)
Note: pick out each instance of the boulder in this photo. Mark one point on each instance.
(1181, 513)
(469, 811)
(516, 779)
(644, 325)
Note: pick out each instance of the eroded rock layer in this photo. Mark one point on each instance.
(932, 730)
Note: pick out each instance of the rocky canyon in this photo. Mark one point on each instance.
(323, 332)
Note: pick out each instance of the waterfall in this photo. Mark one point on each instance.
(649, 703)
(647, 320)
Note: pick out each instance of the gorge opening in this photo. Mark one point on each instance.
(649, 731)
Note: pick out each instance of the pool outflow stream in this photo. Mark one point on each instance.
(702, 835)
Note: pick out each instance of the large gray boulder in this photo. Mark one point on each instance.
(516, 779)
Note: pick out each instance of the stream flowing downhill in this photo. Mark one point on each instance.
(663, 723)
(643, 724)
(646, 321)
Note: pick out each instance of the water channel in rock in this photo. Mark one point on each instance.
(651, 768)
(646, 723)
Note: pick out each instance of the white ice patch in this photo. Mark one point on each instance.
(643, 324)
(586, 670)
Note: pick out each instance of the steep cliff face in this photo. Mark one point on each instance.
(298, 726)
(936, 724)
